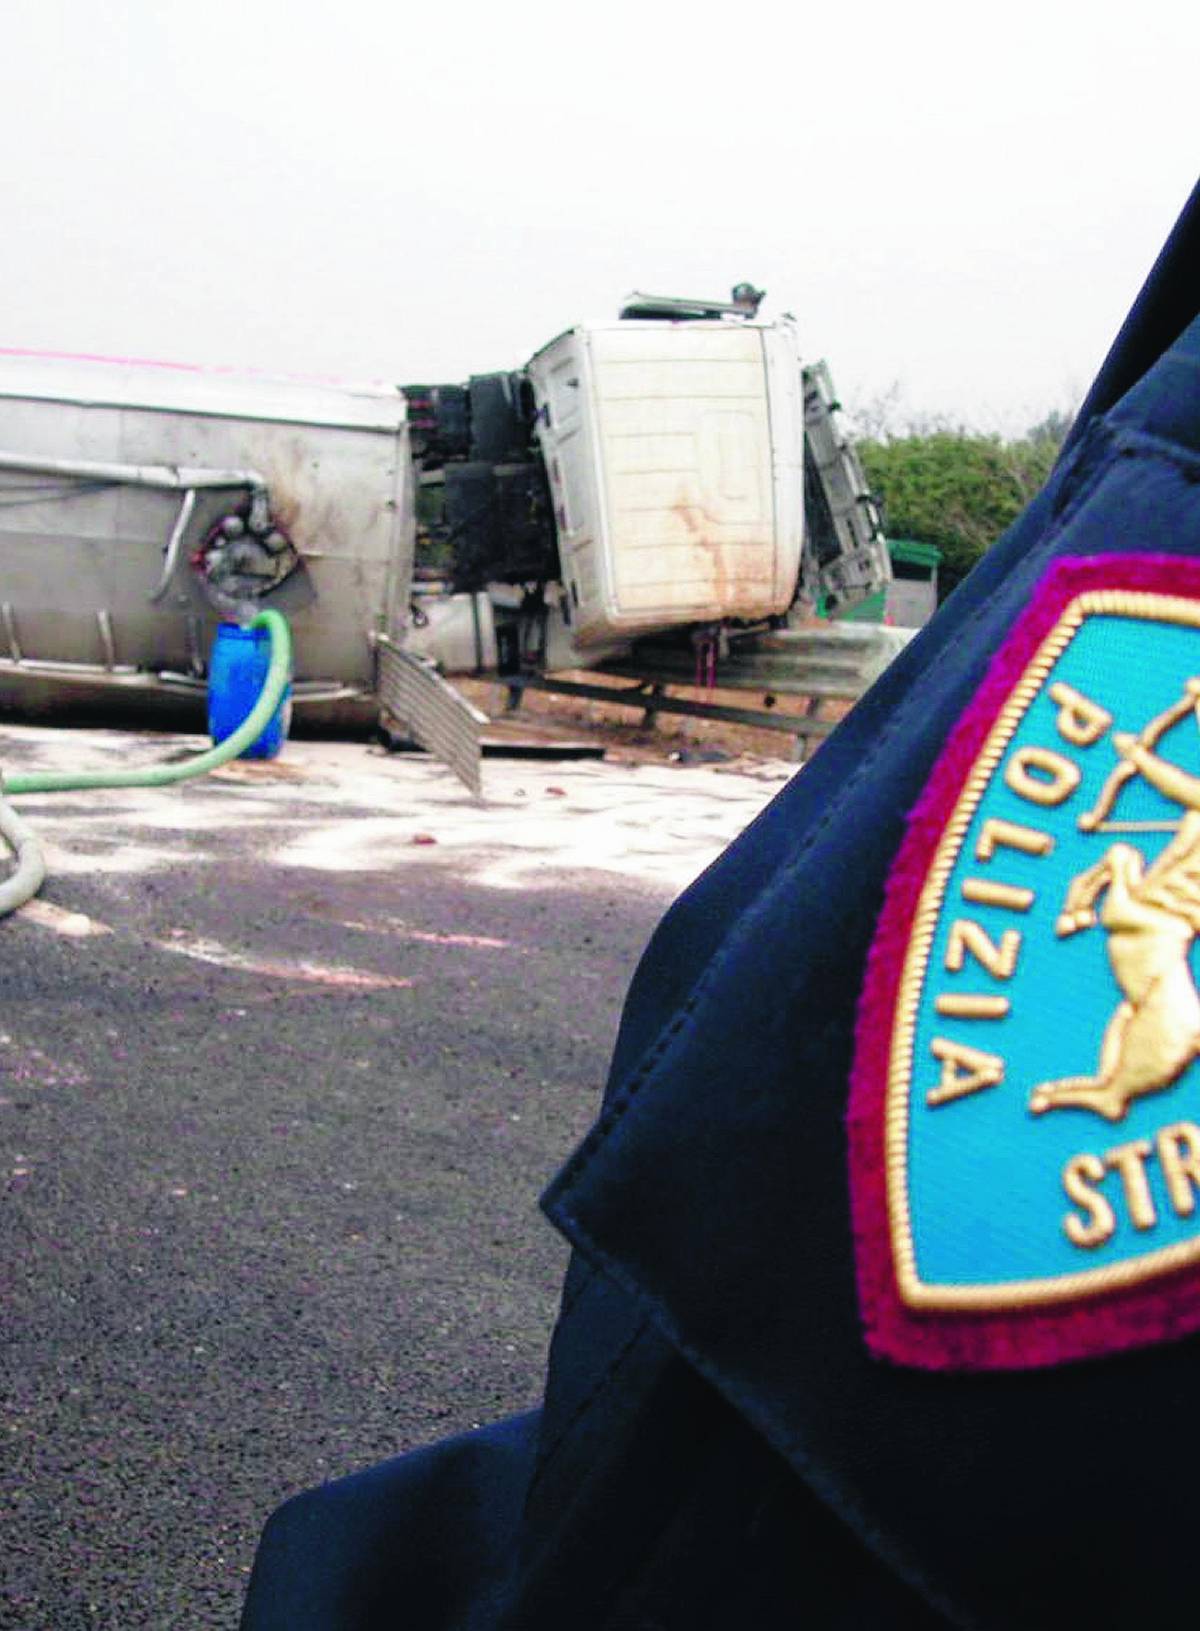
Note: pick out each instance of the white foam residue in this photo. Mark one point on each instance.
(308, 973)
(345, 808)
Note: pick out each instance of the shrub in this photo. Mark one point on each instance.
(956, 489)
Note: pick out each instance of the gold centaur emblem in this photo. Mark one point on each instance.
(1151, 915)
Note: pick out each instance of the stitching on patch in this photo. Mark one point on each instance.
(1049, 1334)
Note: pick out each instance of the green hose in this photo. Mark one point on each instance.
(251, 728)
(27, 877)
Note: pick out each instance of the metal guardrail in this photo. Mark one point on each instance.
(840, 661)
(833, 662)
(651, 697)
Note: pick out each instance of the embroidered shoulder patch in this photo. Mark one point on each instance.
(1025, 1112)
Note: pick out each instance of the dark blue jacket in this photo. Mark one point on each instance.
(717, 1448)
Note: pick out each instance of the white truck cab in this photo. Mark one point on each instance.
(674, 456)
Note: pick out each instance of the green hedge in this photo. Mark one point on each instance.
(957, 490)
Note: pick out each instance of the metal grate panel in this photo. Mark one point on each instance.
(415, 698)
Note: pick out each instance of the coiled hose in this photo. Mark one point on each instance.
(26, 880)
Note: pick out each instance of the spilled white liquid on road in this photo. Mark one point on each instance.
(347, 807)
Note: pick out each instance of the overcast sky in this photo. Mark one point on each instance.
(958, 198)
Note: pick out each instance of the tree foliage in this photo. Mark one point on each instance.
(958, 489)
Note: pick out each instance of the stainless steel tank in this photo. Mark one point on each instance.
(141, 501)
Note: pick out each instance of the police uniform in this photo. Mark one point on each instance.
(883, 1300)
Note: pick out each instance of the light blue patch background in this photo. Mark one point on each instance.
(985, 1176)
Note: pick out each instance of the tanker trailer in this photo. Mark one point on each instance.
(140, 503)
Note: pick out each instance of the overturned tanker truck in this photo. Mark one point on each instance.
(641, 491)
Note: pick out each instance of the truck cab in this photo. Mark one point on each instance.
(675, 469)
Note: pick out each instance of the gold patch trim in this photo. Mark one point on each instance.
(1148, 607)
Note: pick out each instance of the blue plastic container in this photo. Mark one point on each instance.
(236, 674)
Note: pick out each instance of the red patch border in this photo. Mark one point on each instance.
(1022, 1338)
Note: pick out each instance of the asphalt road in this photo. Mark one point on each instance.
(280, 1082)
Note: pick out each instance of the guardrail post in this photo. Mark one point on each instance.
(650, 716)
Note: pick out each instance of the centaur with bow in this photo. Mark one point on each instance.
(1151, 915)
